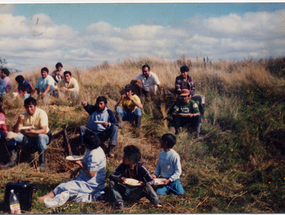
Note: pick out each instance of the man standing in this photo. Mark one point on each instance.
(33, 139)
(186, 112)
(45, 83)
(58, 73)
(102, 122)
(8, 83)
(149, 81)
(131, 107)
(184, 81)
(68, 84)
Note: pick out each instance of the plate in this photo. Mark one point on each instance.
(132, 182)
(99, 122)
(2, 122)
(184, 114)
(74, 157)
(25, 127)
(159, 181)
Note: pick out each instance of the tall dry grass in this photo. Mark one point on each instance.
(221, 170)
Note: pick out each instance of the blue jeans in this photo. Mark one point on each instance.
(2, 136)
(121, 191)
(29, 144)
(174, 187)
(128, 116)
(111, 133)
(182, 121)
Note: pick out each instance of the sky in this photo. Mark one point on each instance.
(85, 35)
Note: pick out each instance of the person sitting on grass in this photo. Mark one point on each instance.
(24, 89)
(186, 112)
(89, 185)
(58, 73)
(3, 128)
(132, 168)
(35, 137)
(101, 113)
(68, 85)
(8, 83)
(168, 167)
(149, 82)
(184, 81)
(45, 83)
(131, 107)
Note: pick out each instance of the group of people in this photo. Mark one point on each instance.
(60, 81)
(89, 185)
(101, 126)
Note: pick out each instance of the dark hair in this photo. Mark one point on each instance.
(19, 79)
(67, 72)
(130, 87)
(58, 65)
(146, 66)
(5, 71)
(91, 141)
(100, 99)
(133, 153)
(2, 109)
(29, 101)
(44, 69)
(170, 139)
(184, 68)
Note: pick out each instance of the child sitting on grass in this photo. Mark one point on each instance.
(168, 167)
(131, 168)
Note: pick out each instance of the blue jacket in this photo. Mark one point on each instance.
(95, 115)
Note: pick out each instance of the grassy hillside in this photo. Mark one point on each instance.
(236, 166)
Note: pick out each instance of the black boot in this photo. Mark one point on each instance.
(42, 167)
(138, 124)
(120, 120)
(13, 160)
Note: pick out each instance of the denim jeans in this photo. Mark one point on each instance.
(2, 136)
(111, 133)
(29, 144)
(174, 187)
(182, 121)
(128, 116)
(121, 191)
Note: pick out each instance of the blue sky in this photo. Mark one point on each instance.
(85, 35)
(123, 15)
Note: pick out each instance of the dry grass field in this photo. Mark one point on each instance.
(236, 166)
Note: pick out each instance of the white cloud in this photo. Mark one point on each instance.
(39, 41)
(7, 8)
